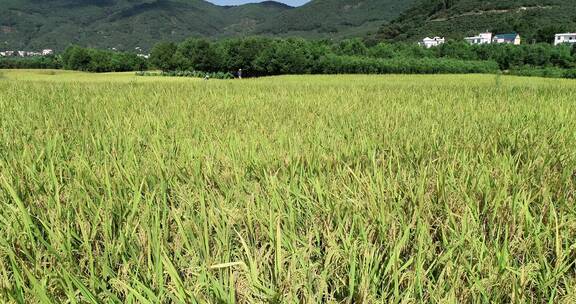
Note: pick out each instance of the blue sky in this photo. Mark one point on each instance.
(236, 2)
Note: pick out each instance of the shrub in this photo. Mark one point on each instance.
(44, 62)
(195, 74)
(93, 60)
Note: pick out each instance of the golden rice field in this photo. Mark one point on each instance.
(298, 189)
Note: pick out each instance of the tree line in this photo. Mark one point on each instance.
(259, 56)
(95, 60)
(43, 62)
(80, 59)
(269, 56)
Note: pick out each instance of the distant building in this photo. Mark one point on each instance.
(432, 42)
(47, 52)
(512, 38)
(482, 38)
(22, 53)
(565, 38)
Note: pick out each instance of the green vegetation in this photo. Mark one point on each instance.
(122, 24)
(84, 77)
(38, 62)
(194, 74)
(267, 56)
(550, 72)
(535, 20)
(126, 24)
(259, 56)
(93, 60)
(334, 18)
(292, 189)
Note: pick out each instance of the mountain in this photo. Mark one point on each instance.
(125, 24)
(325, 18)
(536, 20)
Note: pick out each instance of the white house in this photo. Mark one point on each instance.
(565, 38)
(432, 42)
(482, 38)
(512, 38)
(47, 52)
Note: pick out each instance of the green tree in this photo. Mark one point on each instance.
(76, 58)
(200, 55)
(100, 61)
(162, 56)
(382, 50)
(351, 47)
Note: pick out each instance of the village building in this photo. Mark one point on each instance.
(512, 38)
(482, 38)
(45, 52)
(432, 42)
(565, 38)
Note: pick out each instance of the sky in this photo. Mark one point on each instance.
(237, 2)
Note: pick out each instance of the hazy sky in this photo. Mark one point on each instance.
(236, 2)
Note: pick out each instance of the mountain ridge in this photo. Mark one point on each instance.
(535, 20)
(125, 24)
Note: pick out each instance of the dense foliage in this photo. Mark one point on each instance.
(535, 20)
(94, 60)
(127, 24)
(290, 189)
(334, 18)
(549, 72)
(36, 62)
(192, 74)
(511, 56)
(259, 56)
(266, 56)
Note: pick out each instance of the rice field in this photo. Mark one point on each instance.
(297, 189)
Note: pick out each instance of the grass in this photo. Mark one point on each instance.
(298, 189)
(78, 77)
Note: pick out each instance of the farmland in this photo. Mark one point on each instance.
(291, 189)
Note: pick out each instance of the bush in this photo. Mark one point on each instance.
(195, 74)
(44, 62)
(548, 72)
(93, 60)
(333, 64)
(259, 56)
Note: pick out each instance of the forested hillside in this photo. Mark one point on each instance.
(340, 18)
(536, 20)
(125, 24)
